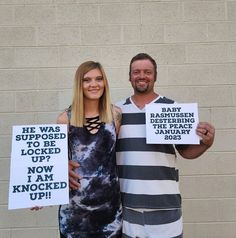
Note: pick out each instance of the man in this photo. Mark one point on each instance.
(148, 174)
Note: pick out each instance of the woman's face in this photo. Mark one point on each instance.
(93, 84)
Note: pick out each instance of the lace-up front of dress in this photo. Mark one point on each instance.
(93, 124)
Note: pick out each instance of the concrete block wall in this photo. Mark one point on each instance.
(194, 42)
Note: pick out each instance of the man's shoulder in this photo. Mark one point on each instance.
(163, 99)
(123, 102)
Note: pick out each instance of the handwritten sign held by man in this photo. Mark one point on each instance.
(172, 123)
(39, 166)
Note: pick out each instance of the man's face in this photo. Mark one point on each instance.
(142, 76)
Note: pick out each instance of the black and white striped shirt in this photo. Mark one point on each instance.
(148, 173)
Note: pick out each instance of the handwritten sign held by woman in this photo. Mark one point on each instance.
(39, 166)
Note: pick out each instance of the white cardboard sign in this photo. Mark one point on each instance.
(39, 166)
(172, 123)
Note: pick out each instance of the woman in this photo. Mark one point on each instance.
(94, 209)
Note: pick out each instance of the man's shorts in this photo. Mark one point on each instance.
(150, 223)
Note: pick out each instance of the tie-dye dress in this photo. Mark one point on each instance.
(94, 210)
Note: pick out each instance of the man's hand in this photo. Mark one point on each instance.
(73, 176)
(207, 132)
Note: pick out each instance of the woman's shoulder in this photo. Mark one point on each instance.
(117, 116)
(116, 112)
(63, 118)
(116, 109)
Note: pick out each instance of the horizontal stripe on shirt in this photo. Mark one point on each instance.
(137, 131)
(141, 229)
(149, 187)
(151, 201)
(139, 144)
(154, 217)
(127, 236)
(133, 118)
(151, 158)
(147, 172)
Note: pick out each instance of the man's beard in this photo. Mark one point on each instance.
(141, 89)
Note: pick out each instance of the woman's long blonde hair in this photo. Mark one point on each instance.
(77, 106)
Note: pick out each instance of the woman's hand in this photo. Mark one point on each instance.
(36, 208)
